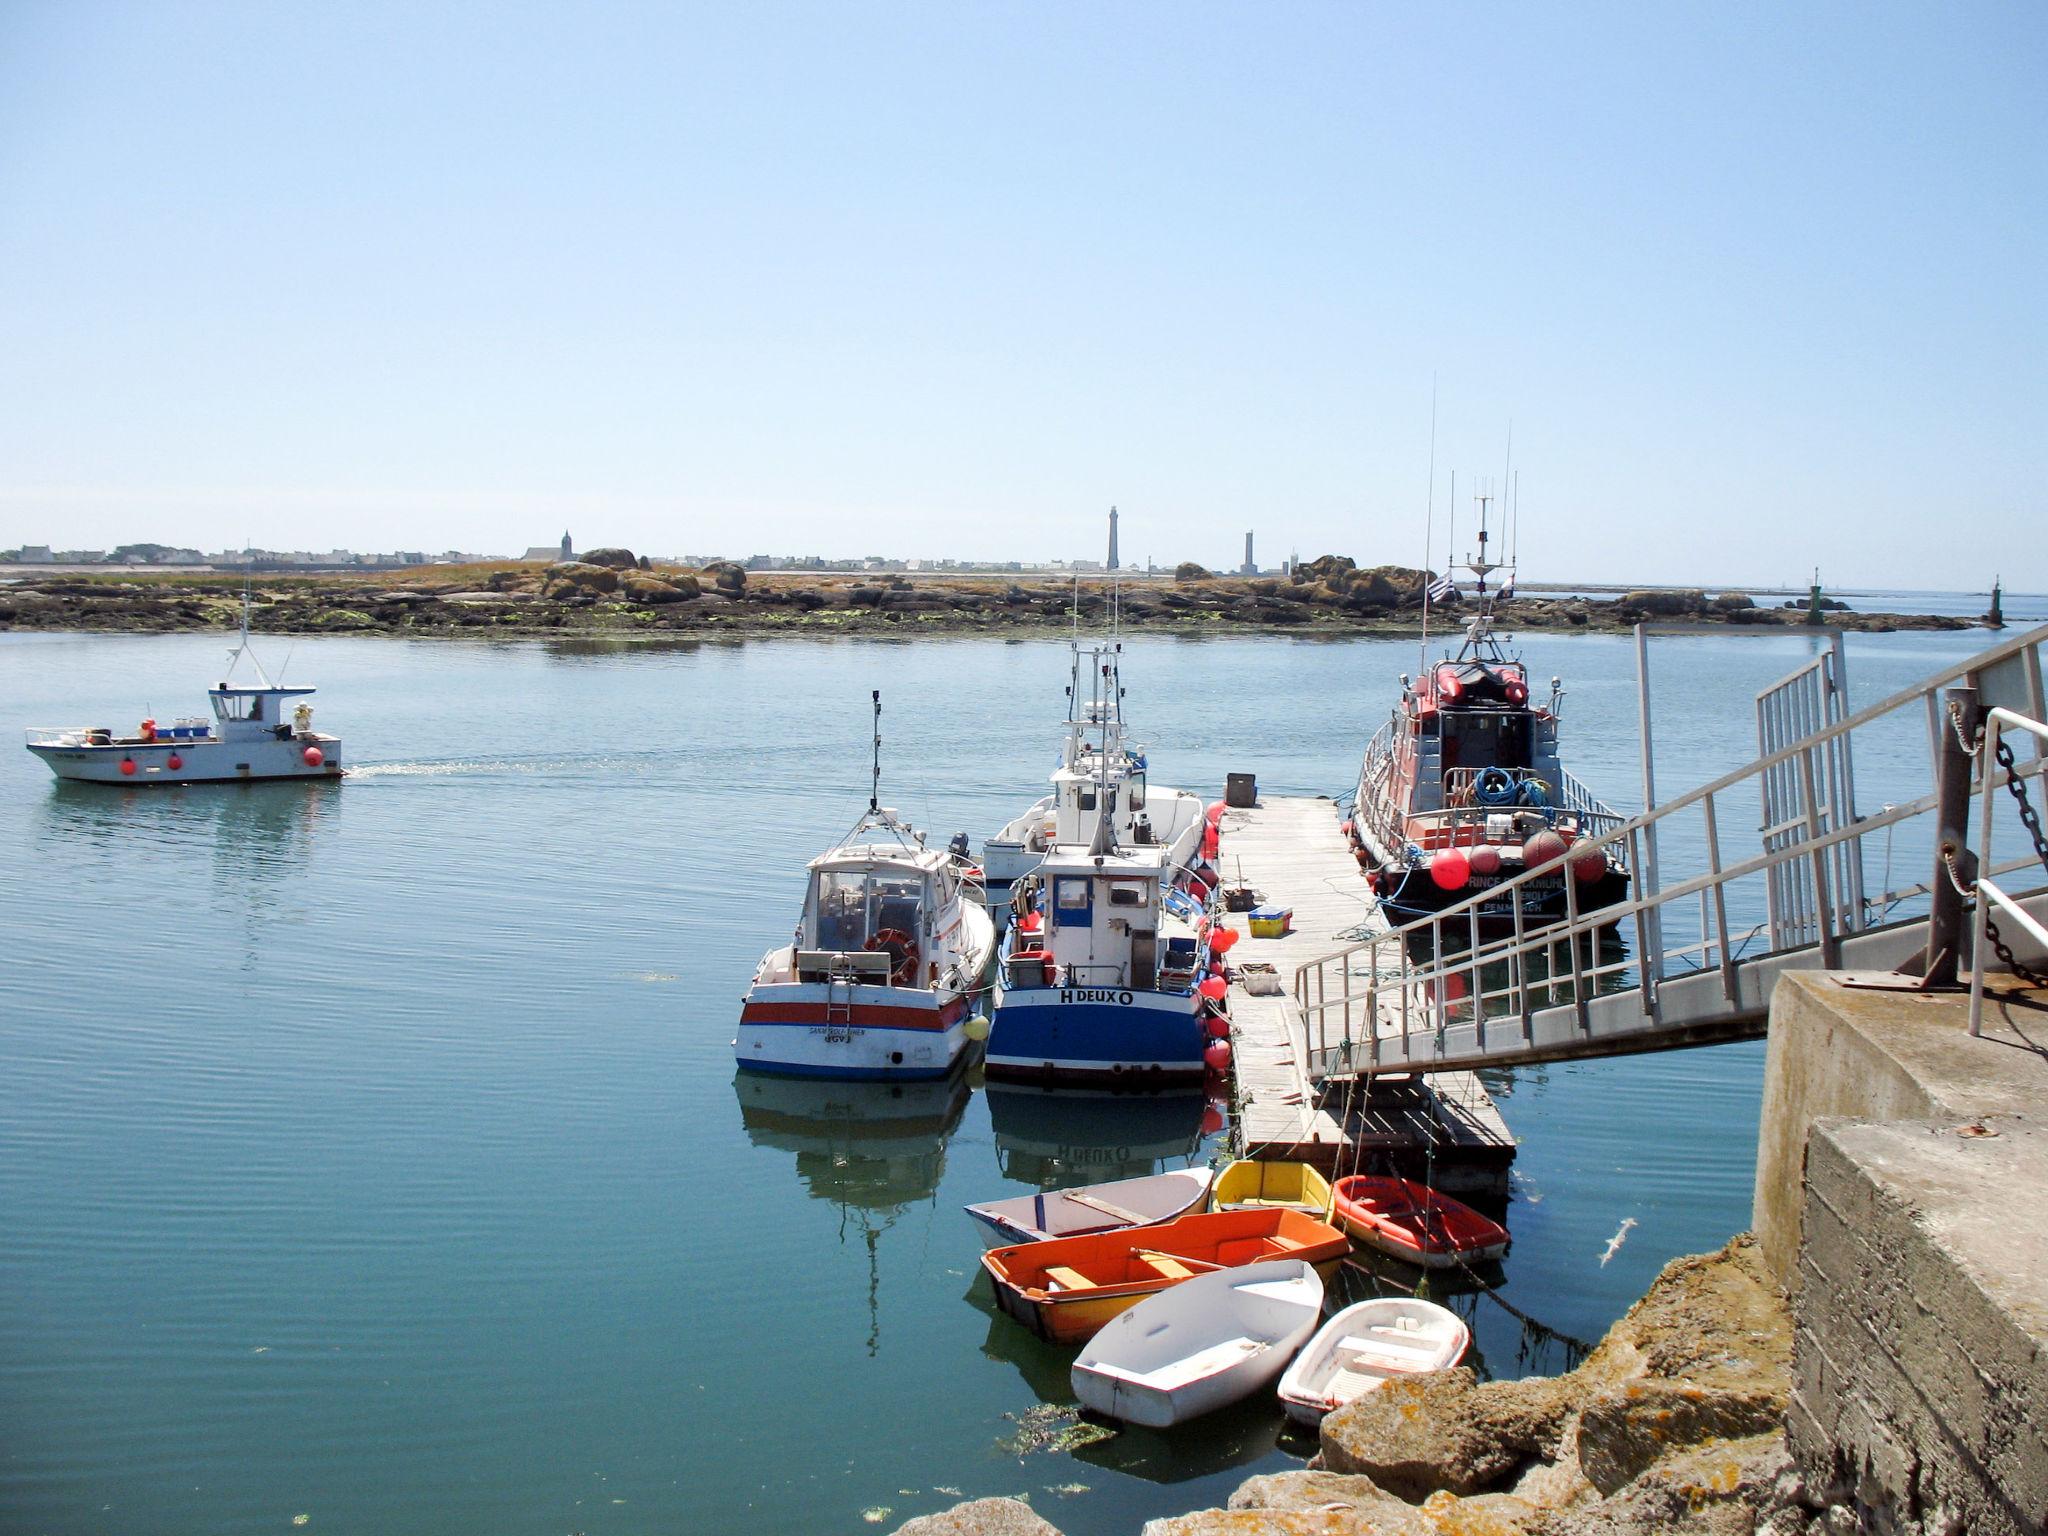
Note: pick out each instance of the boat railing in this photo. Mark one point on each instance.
(1714, 914)
(56, 735)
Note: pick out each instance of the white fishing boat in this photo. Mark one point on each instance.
(1199, 1345)
(1097, 762)
(883, 972)
(1365, 1346)
(1093, 1207)
(257, 732)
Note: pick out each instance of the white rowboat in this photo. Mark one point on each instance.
(1200, 1345)
(1365, 1345)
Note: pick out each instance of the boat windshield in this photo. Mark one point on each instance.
(851, 906)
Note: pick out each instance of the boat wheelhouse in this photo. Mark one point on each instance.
(1097, 980)
(884, 969)
(1463, 789)
(261, 730)
(1097, 763)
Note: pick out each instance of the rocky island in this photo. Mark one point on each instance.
(613, 592)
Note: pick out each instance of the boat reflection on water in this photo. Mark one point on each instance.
(873, 1149)
(1052, 1137)
(873, 1146)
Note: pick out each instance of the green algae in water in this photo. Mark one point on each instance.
(1053, 1429)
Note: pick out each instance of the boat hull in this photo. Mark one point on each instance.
(1407, 894)
(797, 1030)
(1207, 1343)
(1102, 1035)
(1365, 1346)
(1117, 1206)
(199, 762)
(1065, 1289)
(1250, 1185)
(1414, 1223)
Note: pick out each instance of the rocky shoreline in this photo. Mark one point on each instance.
(1674, 1424)
(614, 593)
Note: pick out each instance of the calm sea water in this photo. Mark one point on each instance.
(372, 1153)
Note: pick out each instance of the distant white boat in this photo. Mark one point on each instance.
(1093, 1207)
(1366, 1345)
(249, 738)
(1201, 1344)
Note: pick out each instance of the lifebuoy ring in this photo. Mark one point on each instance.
(901, 950)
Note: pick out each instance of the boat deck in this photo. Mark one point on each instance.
(1290, 849)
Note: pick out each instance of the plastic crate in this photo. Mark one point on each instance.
(1271, 922)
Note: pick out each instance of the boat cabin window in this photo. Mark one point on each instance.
(1071, 900)
(1084, 798)
(1484, 738)
(1128, 893)
(238, 706)
(852, 906)
(1136, 785)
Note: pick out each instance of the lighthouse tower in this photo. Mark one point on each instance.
(1112, 538)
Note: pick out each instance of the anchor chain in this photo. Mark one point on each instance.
(2030, 818)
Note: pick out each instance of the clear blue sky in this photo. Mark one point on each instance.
(1759, 286)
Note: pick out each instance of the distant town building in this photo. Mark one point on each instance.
(1250, 566)
(37, 554)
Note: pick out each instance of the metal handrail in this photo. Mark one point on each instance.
(1989, 895)
(1418, 991)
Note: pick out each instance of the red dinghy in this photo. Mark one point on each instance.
(1414, 1223)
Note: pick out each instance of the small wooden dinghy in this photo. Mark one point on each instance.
(1365, 1345)
(1093, 1207)
(1065, 1288)
(1207, 1342)
(1413, 1222)
(1247, 1184)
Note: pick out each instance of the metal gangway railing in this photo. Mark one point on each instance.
(1691, 958)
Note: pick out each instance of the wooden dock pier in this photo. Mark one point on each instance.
(1292, 852)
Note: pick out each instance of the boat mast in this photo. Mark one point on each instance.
(875, 777)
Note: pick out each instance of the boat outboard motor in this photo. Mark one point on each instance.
(961, 846)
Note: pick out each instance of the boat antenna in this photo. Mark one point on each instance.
(875, 779)
(1428, 528)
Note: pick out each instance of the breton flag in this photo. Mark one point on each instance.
(1507, 591)
(1442, 588)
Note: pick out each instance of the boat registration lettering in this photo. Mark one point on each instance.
(1095, 995)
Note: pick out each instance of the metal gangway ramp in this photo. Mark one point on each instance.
(1717, 913)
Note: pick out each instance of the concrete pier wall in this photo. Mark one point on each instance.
(1852, 1053)
(1902, 1198)
(1920, 1332)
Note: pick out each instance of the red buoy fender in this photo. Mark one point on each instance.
(1217, 1054)
(314, 757)
(175, 762)
(128, 767)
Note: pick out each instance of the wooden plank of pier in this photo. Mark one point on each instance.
(1290, 849)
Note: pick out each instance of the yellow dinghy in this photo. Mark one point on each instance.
(1249, 1185)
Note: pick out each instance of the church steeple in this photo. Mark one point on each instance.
(568, 549)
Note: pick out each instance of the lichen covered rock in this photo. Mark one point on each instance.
(981, 1517)
(1446, 1430)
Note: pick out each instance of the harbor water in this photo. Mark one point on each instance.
(372, 1156)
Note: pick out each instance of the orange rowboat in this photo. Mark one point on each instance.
(1068, 1287)
(1413, 1222)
